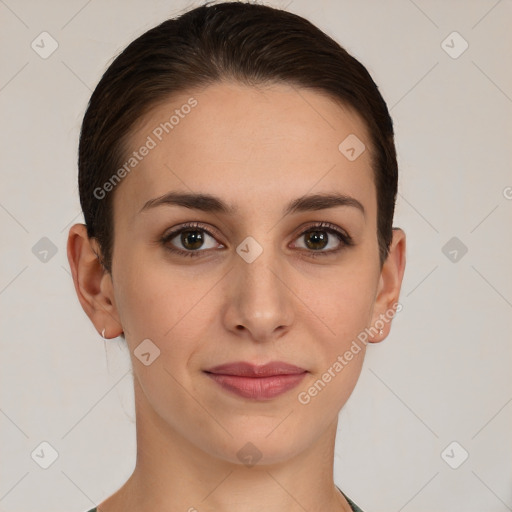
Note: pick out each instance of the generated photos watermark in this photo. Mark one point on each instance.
(305, 397)
(152, 140)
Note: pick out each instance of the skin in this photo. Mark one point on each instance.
(257, 149)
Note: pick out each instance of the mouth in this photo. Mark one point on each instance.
(257, 382)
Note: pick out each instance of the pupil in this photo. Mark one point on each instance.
(196, 238)
(317, 236)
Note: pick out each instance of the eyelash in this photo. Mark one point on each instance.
(321, 226)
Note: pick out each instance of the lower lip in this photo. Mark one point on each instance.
(258, 388)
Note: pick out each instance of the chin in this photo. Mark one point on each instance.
(258, 449)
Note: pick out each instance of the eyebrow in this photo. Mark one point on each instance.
(211, 203)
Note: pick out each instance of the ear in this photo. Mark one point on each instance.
(388, 291)
(93, 284)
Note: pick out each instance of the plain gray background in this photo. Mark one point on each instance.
(443, 374)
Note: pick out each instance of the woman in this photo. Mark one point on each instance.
(238, 175)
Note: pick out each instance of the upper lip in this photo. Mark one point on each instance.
(245, 369)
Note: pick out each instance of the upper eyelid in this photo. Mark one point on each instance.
(174, 232)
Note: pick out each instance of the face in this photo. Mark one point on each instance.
(255, 278)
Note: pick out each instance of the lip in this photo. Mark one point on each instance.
(258, 382)
(245, 369)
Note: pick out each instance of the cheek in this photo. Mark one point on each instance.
(155, 301)
(342, 303)
(344, 307)
(148, 301)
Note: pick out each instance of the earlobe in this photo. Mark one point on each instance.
(390, 282)
(93, 284)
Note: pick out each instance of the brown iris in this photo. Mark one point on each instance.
(317, 237)
(192, 239)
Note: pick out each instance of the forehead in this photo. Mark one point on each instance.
(246, 144)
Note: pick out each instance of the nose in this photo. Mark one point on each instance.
(259, 302)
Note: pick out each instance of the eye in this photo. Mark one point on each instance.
(324, 235)
(192, 237)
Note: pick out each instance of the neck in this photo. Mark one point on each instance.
(171, 473)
